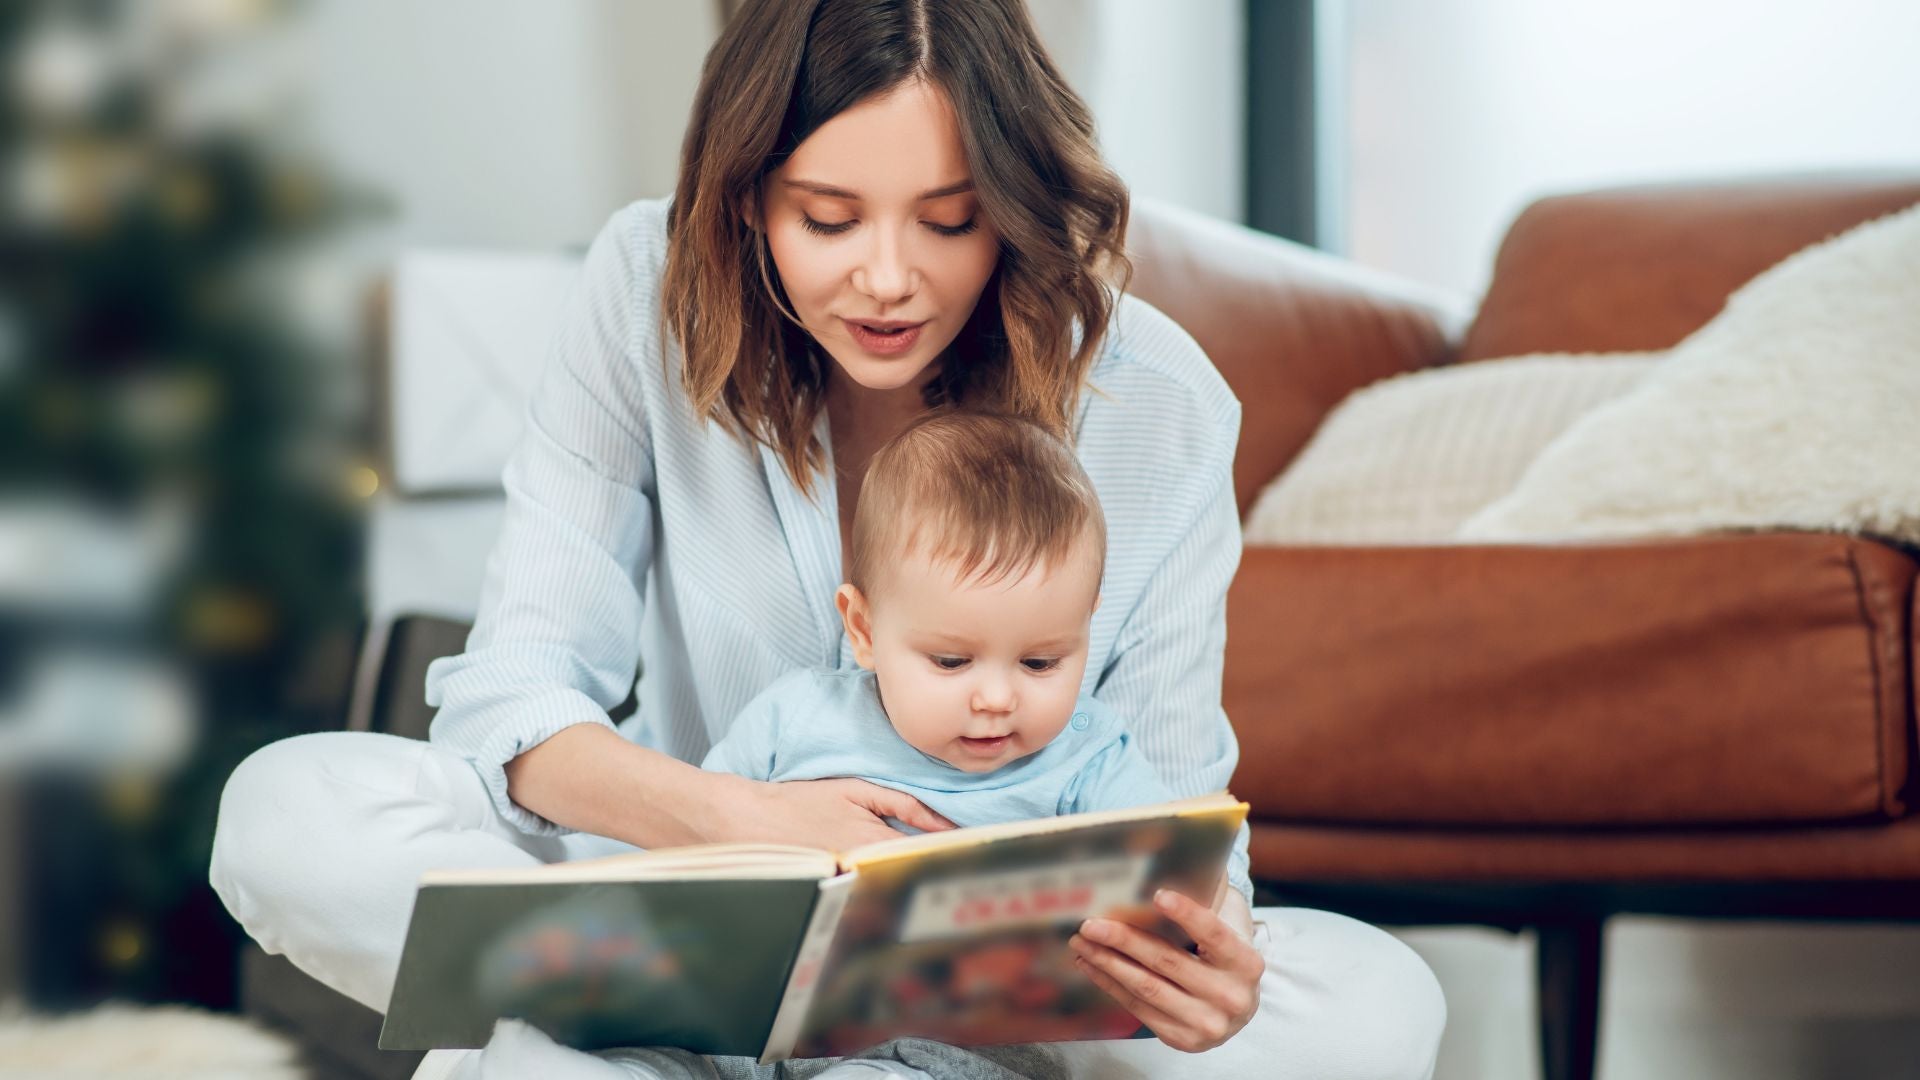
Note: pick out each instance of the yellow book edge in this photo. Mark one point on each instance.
(782, 861)
(907, 846)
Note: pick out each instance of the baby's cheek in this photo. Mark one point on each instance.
(1061, 696)
(918, 710)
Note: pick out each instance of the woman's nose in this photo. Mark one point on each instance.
(886, 273)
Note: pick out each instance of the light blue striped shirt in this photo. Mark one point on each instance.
(639, 537)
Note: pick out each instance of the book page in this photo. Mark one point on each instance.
(698, 861)
(797, 999)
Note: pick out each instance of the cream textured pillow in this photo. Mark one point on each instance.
(1406, 460)
(1798, 406)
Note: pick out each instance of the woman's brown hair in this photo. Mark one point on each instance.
(780, 70)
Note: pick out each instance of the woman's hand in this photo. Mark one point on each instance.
(1192, 1003)
(836, 814)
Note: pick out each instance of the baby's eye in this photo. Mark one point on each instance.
(1035, 663)
(949, 663)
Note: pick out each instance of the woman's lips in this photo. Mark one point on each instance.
(884, 344)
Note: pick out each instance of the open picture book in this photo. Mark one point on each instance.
(774, 952)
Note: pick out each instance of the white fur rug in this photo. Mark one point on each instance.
(1798, 406)
(126, 1042)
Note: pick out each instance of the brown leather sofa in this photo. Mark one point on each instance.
(1543, 736)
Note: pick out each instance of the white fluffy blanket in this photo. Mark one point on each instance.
(125, 1042)
(1798, 406)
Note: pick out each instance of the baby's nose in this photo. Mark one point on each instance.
(993, 695)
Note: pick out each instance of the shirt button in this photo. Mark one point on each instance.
(1080, 721)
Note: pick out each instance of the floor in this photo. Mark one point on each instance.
(1701, 1001)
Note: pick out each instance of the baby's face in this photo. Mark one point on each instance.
(977, 675)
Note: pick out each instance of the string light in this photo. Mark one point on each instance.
(363, 481)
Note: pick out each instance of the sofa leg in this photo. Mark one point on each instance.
(1569, 989)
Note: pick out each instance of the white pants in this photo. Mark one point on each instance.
(322, 839)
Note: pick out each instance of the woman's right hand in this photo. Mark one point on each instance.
(837, 814)
(589, 777)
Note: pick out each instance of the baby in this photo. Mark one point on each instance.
(977, 551)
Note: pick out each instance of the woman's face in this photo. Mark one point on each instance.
(878, 237)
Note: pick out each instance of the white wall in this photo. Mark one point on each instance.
(503, 123)
(1166, 82)
(1462, 111)
(499, 122)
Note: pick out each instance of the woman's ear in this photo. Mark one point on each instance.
(750, 212)
(858, 619)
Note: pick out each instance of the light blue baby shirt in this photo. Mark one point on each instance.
(817, 723)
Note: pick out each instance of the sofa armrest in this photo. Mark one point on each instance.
(390, 695)
(390, 691)
(1291, 329)
(1725, 679)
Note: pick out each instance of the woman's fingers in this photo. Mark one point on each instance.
(1177, 1017)
(1155, 954)
(1157, 1019)
(839, 814)
(1191, 1002)
(900, 806)
(1220, 943)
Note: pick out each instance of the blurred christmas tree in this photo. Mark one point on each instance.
(196, 453)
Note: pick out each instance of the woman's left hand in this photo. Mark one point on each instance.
(1192, 1003)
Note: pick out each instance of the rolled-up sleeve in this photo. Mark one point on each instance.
(556, 640)
(1165, 675)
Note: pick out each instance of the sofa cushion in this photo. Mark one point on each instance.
(1713, 680)
(1406, 460)
(1794, 408)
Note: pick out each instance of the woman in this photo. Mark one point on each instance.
(881, 206)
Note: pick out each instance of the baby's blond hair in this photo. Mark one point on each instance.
(993, 494)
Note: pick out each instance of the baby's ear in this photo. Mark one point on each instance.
(857, 617)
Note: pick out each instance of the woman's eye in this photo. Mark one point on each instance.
(1034, 663)
(949, 663)
(961, 229)
(821, 228)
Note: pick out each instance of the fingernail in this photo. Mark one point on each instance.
(1164, 899)
(1097, 929)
